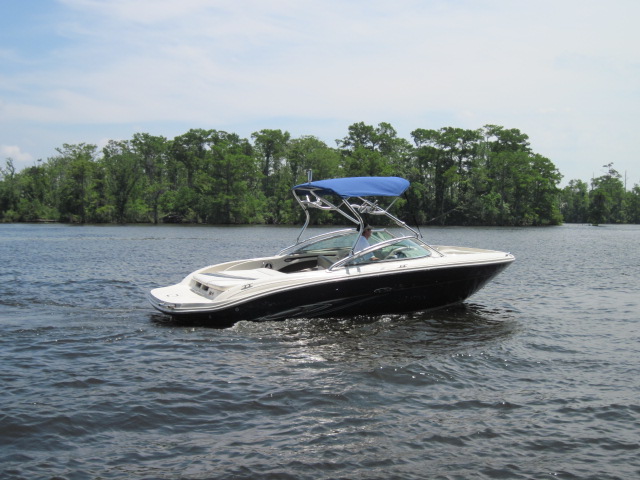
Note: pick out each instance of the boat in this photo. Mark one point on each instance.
(327, 275)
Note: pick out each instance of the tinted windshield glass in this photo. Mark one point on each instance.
(340, 242)
(402, 249)
(332, 243)
(406, 248)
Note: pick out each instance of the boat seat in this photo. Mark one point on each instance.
(227, 279)
(253, 274)
(324, 262)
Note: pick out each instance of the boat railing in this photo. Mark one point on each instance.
(371, 208)
(355, 206)
(351, 207)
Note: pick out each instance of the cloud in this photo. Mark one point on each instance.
(249, 58)
(566, 73)
(20, 159)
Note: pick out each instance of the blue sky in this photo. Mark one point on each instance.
(565, 72)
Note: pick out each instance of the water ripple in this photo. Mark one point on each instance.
(533, 378)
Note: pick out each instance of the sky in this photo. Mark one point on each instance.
(564, 72)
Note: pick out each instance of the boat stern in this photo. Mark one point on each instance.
(178, 299)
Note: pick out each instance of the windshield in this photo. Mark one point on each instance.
(343, 241)
(399, 250)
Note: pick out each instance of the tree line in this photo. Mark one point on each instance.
(487, 176)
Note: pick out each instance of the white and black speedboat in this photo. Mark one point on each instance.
(326, 275)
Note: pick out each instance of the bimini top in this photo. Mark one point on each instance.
(356, 187)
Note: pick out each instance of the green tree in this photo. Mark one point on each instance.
(448, 155)
(152, 152)
(190, 149)
(499, 139)
(598, 208)
(71, 179)
(309, 153)
(633, 204)
(123, 171)
(574, 202)
(228, 182)
(438, 167)
(371, 151)
(270, 148)
(8, 190)
(35, 202)
(521, 185)
(607, 197)
(541, 191)
(485, 176)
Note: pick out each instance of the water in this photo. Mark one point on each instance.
(536, 376)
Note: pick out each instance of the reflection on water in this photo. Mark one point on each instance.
(409, 336)
(456, 326)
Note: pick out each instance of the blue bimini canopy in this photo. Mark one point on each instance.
(356, 187)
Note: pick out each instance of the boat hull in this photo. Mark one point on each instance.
(371, 294)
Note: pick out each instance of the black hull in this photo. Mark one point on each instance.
(398, 292)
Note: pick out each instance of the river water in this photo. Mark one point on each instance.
(536, 376)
